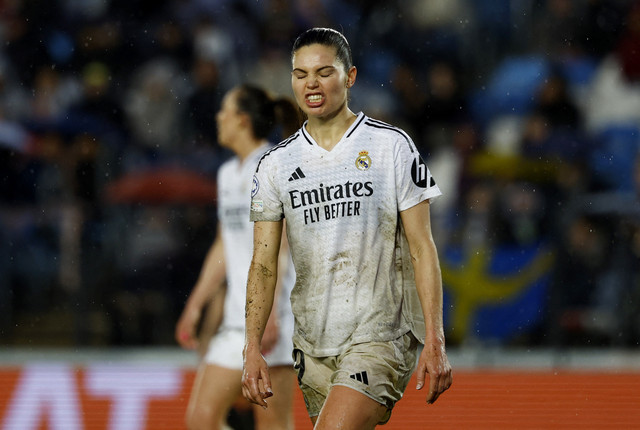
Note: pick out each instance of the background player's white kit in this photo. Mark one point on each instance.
(234, 187)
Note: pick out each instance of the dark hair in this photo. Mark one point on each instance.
(327, 37)
(265, 112)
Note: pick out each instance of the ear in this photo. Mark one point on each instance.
(351, 76)
(244, 119)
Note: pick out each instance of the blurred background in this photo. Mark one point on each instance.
(526, 111)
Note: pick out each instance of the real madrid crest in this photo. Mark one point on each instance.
(363, 162)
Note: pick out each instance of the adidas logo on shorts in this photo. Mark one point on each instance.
(297, 174)
(361, 377)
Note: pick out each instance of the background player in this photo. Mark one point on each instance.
(246, 119)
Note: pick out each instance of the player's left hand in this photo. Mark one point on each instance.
(256, 383)
(434, 362)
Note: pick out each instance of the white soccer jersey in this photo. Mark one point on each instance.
(342, 210)
(234, 193)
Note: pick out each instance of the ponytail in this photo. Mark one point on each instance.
(266, 113)
(288, 116)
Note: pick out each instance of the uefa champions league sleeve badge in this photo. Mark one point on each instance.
(255, 186)
(256, 205)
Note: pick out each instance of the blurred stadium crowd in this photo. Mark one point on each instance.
(526, 111)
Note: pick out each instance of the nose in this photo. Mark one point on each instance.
(312, 81)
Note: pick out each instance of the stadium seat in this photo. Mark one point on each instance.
(511, 89)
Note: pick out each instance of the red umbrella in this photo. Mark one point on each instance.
(162, 186)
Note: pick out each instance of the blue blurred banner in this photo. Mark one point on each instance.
(494, 294)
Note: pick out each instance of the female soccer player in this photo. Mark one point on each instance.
(245, 121)
(355, 195)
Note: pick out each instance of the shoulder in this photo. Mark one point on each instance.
(228, 165)
(392, 137)
(277, 151)
(375, 126)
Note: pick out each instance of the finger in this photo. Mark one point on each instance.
(252, 396)
(420, 377)
(445, 381)
(247, 395)
(252, 391)
(433, 388)
(266, 383)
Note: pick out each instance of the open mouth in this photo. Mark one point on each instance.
(314, 98)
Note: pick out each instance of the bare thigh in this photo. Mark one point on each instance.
(215, 389)
(346, 408)
(279, 413)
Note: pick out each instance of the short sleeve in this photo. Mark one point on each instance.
(265, 202)
(414, 182)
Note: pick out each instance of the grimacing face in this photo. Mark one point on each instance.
(319, 81)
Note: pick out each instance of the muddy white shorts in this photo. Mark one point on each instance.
(379, 370)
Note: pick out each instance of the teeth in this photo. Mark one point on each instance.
(314, 98)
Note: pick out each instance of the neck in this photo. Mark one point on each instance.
(327, 132)
(246, 147)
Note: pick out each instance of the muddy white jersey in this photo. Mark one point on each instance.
(342, 211)
(234, 194)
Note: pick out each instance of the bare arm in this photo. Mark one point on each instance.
(261, 287)
(210, 281)
(271, 334)
(433, 359)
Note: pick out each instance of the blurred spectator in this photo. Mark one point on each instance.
(521, 215)
(474, 228)
(27, 27)
(154, 105)
(611, 98)
(104, 41)
(280, 25)
(557, 29)
(14, 100)
(211, 42)
(203, 103)
(98, 110)
(272, 70)
(444, 108)
(53, 93)
(409, 89)
(140, 306)
(553, 131)
(585, 292)
(555, 104)
(155, 265)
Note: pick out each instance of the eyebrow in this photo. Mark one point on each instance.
(297, 69)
